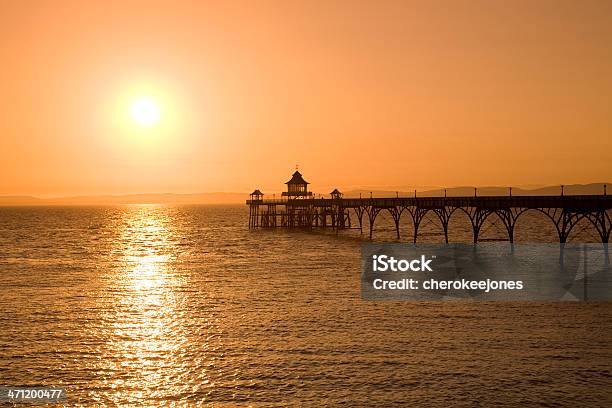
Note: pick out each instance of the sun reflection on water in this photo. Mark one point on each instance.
(146, 340)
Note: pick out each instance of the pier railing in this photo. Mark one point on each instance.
(566, 201)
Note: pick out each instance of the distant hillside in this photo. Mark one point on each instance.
(20, 200)
(239, 198)
(203, 198)
(571, 189)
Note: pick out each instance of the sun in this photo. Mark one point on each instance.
(145, 112)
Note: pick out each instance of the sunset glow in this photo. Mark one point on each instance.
(465, 94)
(145, 112)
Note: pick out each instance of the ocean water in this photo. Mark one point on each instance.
(184, 306)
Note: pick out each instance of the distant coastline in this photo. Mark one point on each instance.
(239, 198)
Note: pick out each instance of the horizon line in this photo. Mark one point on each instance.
(374, 189)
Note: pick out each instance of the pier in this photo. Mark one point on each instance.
(300, 209)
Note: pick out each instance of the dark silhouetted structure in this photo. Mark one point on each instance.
(256, 197)
(300, 209)
(297, 187)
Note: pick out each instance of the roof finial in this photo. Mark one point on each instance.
(296, 167)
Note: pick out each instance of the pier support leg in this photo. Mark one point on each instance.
(397, 230)
(372, 214)
(396, 214)
(585, 273)
(564, 220)
(444, 215)
(360, 211)
(508, 217)
(602, 222)
(417, 216)
(477, 218)
(253, 216)
(341, 220)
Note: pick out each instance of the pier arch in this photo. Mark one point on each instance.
(534, 224)
(459, 227)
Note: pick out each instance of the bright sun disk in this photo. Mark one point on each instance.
(145, 112)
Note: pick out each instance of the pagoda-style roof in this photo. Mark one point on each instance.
(297, 179)
(256, 192)
(335, 192)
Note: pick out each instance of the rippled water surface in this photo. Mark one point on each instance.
(154, 305)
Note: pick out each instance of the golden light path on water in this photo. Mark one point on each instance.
(147, 340)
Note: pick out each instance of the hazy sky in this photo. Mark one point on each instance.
(359, 93)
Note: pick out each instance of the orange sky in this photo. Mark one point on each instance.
(359, 93)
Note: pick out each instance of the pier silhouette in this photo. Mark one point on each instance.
(299, 208)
